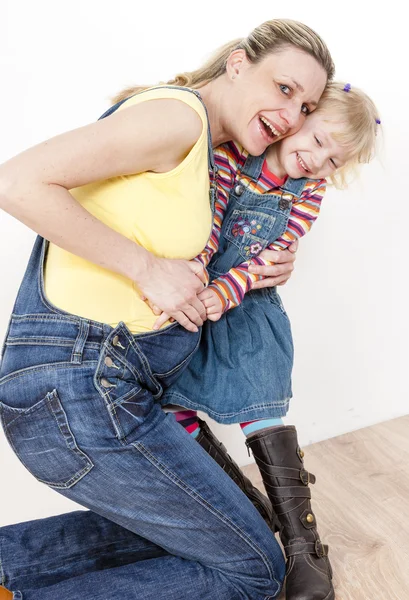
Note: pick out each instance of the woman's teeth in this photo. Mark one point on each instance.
(268, 124)
(302, 163)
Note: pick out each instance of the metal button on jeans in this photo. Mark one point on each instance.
(239, 189)
(105, 383)
(108, 361)
(116, 342)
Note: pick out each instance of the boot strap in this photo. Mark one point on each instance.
(298, 548)
(288, 506)
(288, 473)
(288, 492)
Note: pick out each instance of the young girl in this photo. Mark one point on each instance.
(242, 370)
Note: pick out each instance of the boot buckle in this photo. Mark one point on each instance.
(321, 550)
(305, 477)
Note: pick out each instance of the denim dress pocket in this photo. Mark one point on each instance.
(43, 441)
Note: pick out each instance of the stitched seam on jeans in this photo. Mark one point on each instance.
(55, 317)
(2, 574)
(46, 367)
(40, 340)
(125, 398)
(142, 336)
(47, 341)
(144, 362)
(187, 358)
(278, 404)
(78, 559)
(111, 409)
(66, 438)
(151, 458)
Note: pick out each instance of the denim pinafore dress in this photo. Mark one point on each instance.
(242, 369)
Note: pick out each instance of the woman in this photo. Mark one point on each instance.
(82, 367)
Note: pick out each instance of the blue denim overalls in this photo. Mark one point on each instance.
(242, 369)
(79, 406)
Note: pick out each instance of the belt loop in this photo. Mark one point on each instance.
(77, 351)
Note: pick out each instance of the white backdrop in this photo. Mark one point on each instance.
(59, 64)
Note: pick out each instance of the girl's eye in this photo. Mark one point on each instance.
(331, 160)
(285, 89)
(305, 110)
(318, 141)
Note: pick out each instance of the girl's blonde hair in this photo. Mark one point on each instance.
(269, 38)
(359, 116)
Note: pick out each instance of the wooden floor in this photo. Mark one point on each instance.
(361, 500)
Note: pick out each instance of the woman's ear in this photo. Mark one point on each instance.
(236, 62)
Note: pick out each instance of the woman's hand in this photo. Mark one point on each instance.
(211, 301)
(172, 286)
(280, 272)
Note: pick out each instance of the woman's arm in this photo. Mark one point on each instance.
(151, 136)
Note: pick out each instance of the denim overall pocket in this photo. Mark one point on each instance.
(250, 231)
(43, 441)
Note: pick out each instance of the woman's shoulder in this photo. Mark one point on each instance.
(185, 96)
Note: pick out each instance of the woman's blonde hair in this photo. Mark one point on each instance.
(350, 106)
(269, 38)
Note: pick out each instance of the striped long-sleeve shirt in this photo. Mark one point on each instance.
(230, 158)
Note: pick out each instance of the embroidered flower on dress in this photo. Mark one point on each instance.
(256, 248)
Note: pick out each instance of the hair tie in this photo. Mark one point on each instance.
(378, 121)
(347, 87)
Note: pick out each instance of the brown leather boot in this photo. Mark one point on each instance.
(218, 452)
(5, 594)
(280, 461)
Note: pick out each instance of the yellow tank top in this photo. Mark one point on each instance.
(169, 214)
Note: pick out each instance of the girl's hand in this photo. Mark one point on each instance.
(211, 301)
(172, 286)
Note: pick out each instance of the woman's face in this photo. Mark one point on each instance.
(313, 151)
(271, 99)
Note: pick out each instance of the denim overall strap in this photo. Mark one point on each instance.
(294, 186)
(213, 170)
(32, 307)
(253, 166)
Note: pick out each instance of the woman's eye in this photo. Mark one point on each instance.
(331, 160)
(305, 110)
(285, 89)
(318, 141)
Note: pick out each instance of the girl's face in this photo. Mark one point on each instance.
(311, 152)
(270, 100)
